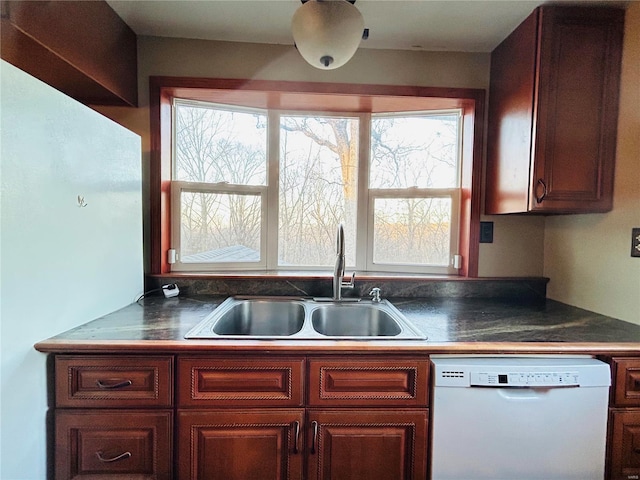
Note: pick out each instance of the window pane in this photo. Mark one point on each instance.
(414, 151)
(219, 227)
(318, 189)
(412, 231)
(213, 145)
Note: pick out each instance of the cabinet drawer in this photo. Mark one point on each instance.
(626, 378)
(207, 381)
(132, 444)
(345, 382)
(114, 381)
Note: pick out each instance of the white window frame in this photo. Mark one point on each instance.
(269, 194)
(453, 193)
(177, 187)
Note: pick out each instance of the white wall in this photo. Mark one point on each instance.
(588, 257)
(61, 265)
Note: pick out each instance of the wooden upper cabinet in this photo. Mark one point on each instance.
(83, 49)
(553, 112)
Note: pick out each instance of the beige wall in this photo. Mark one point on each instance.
(517, 250)
(587, 257)
(158, 56)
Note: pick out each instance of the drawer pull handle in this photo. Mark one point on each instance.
(314, 439)
(296, 436)
(107, 386)
(122, 456)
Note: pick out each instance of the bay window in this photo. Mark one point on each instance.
(259, 187)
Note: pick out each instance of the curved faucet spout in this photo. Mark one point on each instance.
(338, 271)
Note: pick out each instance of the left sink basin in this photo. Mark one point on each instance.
(252, 318)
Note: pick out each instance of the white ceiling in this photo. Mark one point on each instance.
(444, 25)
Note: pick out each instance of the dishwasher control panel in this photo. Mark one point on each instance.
(524, 379)
(523, 372)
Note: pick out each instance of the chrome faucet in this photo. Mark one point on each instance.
(338, 271)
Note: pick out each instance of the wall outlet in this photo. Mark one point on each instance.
(635, 242)
(486, 232)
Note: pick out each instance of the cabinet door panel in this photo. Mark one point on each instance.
(625, 445)
(372, 445)
(240, 445)
(134, 444)
(579, 73)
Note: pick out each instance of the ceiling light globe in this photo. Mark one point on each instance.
(327, 32)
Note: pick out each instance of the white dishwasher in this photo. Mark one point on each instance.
(519, 418)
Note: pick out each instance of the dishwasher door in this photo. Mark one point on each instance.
(519, 419)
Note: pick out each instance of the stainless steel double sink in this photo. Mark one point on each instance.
(305, 319)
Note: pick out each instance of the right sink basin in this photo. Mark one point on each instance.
(354, 320)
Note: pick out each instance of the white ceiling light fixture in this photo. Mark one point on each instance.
(327, 32)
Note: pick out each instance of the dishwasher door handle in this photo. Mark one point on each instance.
(526, 393)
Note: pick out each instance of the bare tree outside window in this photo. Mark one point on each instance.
(318, 188)
(220, 147)
(221, 166)
(413, 156)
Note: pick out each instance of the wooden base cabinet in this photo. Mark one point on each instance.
(367, 444)
(295, 418)
(241, 417)
(113, 417)
(624, 420)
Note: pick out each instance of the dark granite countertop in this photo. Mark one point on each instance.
(452, 325)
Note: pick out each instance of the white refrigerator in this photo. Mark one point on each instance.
(70, 243)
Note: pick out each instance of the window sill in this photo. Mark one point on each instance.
(306, 275)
